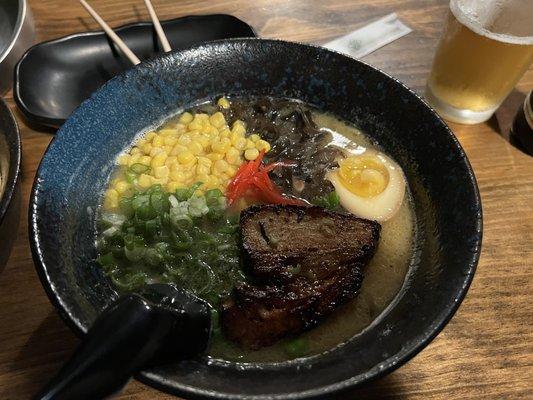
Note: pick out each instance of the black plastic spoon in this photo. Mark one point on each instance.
(160, 324)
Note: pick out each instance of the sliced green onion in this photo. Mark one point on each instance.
(297, 347)
(152, 227)
(139, 201)
(182, 194)
(106, 260)
(333, 199)
(173, 201)
(134, 254)
(138, 168)
(157, 201)
(130, 176)
(125, 206)
(212, 196)
(198, 206)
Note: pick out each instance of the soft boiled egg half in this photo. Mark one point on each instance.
(370, 185)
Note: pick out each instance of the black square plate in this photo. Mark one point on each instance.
(55, 77)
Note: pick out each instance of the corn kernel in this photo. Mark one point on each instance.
(251, 154)
(149, 136)
(189, 173)
(172, 186)
(223, 103)
(181, 127)
(184, 139)
(212, 132)
(171, 161)
(186, 157)
(254, 137)
(177, 149)
(195, 126)
(167, 133)
(122, 186)
(202, 178)
(250, 144)
(221, 146)
(134, 159)
(146, 148)
(194, 134)
(111, 194)
(202, 117)
(110, 204)
(168, 148)
(195, 148)
(144, 181)
(161, 172)
(240, 144)
(202, 170)
(231, 171)
(235, 136)
(170, 141)
(185, 118)
(232, 155)
(203, 140)
(158, 141)
(145, 160)
(141, 142)
(177, 176)
(239, 122)
(155, 151)
(217, 119)
(214, 181)
(204, 161)
(262, 145)
(220, 166)
(123, 159)
(135, 150)
(224, 133)
(238, 129)
(159, 160)
(207, 128)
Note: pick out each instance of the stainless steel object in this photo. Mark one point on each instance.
(17, 34)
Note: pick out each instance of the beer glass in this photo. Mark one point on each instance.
(486, 47)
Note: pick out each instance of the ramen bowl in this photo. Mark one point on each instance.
(16, 35)
(77, 165)
(10, 154)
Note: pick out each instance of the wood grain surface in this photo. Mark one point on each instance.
(485, 352)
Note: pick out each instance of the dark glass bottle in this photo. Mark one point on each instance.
(522, 130)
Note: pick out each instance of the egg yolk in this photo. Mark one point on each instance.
(364, 176)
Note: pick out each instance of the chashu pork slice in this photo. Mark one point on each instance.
(306, 261)
(278, 240)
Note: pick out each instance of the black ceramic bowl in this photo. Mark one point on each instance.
(78, 163)
(10, 153)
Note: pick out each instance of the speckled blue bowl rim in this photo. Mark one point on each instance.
(386, 367)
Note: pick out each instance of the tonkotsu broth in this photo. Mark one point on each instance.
(296, 132)
(384, 275)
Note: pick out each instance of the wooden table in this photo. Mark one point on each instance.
(485, 352)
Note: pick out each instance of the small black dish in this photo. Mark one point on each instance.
(53, 78)
(10, 155)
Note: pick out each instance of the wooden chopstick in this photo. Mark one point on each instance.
(158, 28)
(114, 37)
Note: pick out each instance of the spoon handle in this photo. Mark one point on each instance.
(123, 339)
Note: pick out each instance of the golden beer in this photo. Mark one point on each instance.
(480, 58)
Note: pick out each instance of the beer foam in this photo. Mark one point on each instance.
(505, 21)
